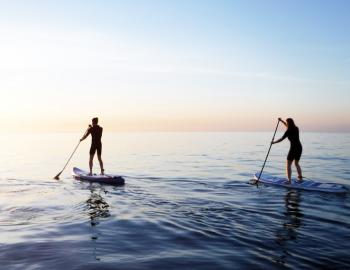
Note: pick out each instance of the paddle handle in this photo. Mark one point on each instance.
(268, 152)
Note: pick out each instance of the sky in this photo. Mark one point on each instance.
(181, 65)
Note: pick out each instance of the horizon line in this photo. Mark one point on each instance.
(173, 131)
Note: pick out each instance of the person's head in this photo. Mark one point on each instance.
(290, 123)
(94, 121)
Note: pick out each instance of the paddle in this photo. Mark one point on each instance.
(268, 152)
(57, 177)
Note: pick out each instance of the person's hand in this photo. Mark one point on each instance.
(81, 139)
(279, 119)
(272, 142)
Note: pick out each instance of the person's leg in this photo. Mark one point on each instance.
(101, 164)
(99, 154)
(300, 175)
(91, 162)
(289, 170)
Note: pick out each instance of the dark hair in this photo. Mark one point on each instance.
(290, 123)
(95, 120)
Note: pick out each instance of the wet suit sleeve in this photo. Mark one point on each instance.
(88, 132)
(285, 135)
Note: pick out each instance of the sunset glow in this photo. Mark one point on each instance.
(180, 66)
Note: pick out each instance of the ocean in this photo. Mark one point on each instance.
(187, 203)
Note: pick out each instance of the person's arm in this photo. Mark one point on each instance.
(281, 139)
(87, 133)
(284, 123)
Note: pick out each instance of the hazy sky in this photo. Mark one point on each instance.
(174, 65)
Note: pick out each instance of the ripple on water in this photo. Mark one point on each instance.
(195, 210)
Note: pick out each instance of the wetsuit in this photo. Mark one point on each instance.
(96, 144)
(295, 146)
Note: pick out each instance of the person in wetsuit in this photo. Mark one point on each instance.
(294, 154)
(96, 145)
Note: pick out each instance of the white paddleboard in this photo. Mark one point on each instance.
(110, 179)
(305, 184)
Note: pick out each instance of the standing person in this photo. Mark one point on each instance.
(295, 150)
(96, 145)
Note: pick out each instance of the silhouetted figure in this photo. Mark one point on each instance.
(96, 145)
(296, 148)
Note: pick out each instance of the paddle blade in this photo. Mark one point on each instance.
(57, 177)
(253, 181)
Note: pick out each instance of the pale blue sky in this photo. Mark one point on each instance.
(175, 65)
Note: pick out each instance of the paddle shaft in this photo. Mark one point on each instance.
(70, 157)
(268, 152)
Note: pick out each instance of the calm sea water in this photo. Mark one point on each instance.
(186, 204)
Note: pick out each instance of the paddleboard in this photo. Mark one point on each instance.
(110, 179)
(305, 184)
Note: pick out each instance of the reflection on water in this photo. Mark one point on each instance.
(291, 222)
(186, 204)
(98, 209)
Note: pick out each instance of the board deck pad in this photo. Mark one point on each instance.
(305, 184)
(110, 179)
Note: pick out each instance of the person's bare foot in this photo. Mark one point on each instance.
(300, 178)
(90, 174)
(102, 172)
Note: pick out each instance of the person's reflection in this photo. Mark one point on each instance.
(97, 208)
(292, 221)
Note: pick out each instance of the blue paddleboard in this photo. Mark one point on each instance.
(305, 184)
(110, 179)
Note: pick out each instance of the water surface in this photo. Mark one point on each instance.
(186, 204)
